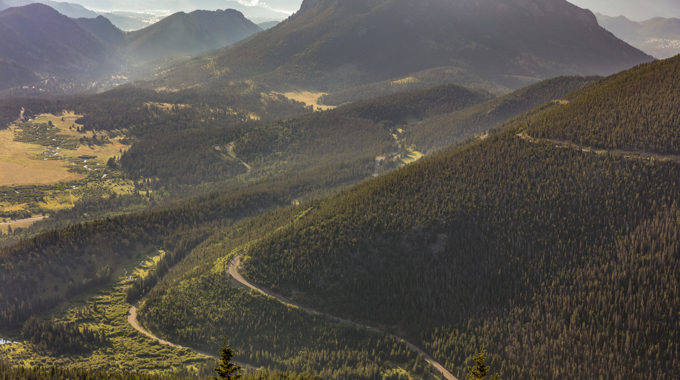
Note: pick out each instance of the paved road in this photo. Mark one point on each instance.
(233, 272)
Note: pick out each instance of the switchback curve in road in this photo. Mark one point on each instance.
(132, 320)
(233, 272)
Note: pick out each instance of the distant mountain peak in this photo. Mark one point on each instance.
(345, 43)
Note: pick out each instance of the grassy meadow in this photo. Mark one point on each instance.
(46, 165)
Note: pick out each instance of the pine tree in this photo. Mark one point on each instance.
(227, 370)
(480, 371)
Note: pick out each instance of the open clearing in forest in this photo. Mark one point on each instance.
(19, 164)
(45, 168)
(22, 163)
(23, 223)
(310, 98)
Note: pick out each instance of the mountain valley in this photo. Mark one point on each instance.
(367, 190)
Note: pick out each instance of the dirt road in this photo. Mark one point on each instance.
(230, 152)
(132, 320)
(378, 161)
(626, 153)
(37, 218)
(233, 272)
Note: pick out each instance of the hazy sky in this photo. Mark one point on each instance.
(638, 10)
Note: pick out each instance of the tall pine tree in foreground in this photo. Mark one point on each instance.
(227, 370)
(479, 371)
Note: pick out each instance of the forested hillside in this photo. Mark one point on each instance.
(416, 81)
(175, 146)
(540, 253)
(635, 110)
(8, 372)
(440, 131)
(319, 153)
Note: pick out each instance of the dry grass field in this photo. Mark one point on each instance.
(20, 165)
(49, 163)
(308, 97)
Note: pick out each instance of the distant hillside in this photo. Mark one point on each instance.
(43, 40)
(185, 34)
(337, 44)
(659, 36)
(67, 9)
(416, 81)
(262, 11)
(443, 130)
(103, 29)
(268, 24)
(635, 9)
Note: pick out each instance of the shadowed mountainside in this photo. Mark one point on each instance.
(40, 38)
(190, 33)
(338, 44)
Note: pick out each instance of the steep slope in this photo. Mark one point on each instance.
(344, 43)
(14, 75)
(185, 34)
(40, 38)
(636, 110)
(658, 36)
(103, 29)
(540, 252)
(226, 26)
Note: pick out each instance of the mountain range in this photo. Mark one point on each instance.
(659, 37)
(254, 11)
(40, 43)
(337, 44)
(633, 9)
(40, 38)
(68, 9)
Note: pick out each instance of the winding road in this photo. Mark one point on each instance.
(636, 154)
(132, 320)
(233, 272)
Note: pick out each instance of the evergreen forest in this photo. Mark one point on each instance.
(411, 225)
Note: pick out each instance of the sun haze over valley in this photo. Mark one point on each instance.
(339, 189)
